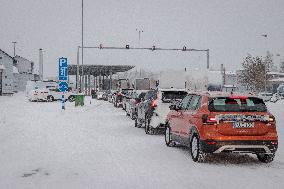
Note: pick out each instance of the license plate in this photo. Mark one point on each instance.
(243, 124)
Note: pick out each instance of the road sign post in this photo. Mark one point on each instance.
(63, 77)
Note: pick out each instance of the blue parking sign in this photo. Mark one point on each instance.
(63, 86)
(63, 69)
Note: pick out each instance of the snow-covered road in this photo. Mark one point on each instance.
(97, 146)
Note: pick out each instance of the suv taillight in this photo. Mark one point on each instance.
(154, 103)
(271, 118)
(206, 119)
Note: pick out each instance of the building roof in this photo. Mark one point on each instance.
(6, 54)
(15, 70)
(20, 57)
(275, 73)
(2, 67)
(96, 70)
(278, 79)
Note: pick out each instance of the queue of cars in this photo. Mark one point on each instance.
(204, 122)
(273, 97)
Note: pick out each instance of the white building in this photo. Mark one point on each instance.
(6, 73)
(24, 72)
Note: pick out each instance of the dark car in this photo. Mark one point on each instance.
(153, 111)
(118, 97)
(144, 107)
(133, 102)
(126, 96)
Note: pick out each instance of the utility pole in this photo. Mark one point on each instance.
(265, 70)
(41, 64)
(207, 55)
(14, 43)
(82, 45)
(78, 71)
(139, 34)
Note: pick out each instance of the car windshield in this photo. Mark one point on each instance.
(169, 96)
(232, 104)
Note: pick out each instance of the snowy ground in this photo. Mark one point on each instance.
(97, 146)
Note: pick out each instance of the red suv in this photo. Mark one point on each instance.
(221, 122)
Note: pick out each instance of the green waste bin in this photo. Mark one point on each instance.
(79, 99)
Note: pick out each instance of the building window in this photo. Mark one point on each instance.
(5, 76)
(0, 57)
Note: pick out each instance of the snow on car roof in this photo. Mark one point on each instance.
(172, 89)
(223, 94)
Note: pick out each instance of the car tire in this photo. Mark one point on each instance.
(195, 149)
(50, 98)
(147, 126)
(71, 98)
(149, 130)
(168, 136)
(136, 123)
(265, 158)
(132, 116)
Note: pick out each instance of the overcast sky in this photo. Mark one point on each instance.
(229, 28)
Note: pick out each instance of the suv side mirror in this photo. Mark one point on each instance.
(172, 107)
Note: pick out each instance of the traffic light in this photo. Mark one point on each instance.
(127, 46)
(184, 48)
(153, 48)
(101, 46)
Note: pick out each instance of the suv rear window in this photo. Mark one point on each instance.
(169, 96)
(229, 104)
(151, 95)
(142, 95)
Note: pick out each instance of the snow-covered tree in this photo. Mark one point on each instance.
(282, 66)
(254, 73)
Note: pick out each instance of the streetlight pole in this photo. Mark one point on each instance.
(41, 64)
(139, 34)
(207, 55)
(78, 67)
(14, 43)
(265, 74)
(82, 45)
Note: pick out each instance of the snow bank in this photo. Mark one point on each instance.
(97, 146)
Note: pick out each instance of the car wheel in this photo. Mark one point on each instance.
(266, 158)
(136, 122)
(147, 126)
(168, 136)
(71, 98)
(195, 150)
(132, 116)
(149, 130)
(50, 98)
